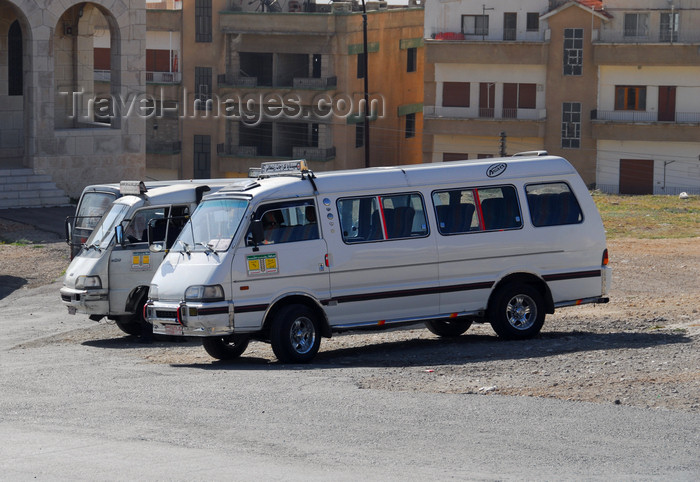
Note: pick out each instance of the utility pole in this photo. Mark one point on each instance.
(366, 87)
(502, 145)
(483, 19)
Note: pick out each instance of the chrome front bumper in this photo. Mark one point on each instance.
(91, 302)
(190, 319)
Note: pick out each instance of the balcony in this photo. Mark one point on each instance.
(634, 37)
(303, 24)
(314, 153)
(635, 116)
(151, 77)
(438, 112)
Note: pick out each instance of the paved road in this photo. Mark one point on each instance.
(78, 408)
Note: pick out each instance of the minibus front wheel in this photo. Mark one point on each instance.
(225, 347)
(295, 334)
(517, 311)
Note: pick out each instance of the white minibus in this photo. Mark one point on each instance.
(109, 276)
(288, 259)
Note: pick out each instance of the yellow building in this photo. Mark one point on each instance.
(284, 80)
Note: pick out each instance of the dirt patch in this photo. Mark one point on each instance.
(641, 349)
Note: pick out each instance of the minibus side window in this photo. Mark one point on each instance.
(377, 218)
(552, 204)
(137, 230)
(479, 209)
(287, 222)
(455, 211)
(499, 208)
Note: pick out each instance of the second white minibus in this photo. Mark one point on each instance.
(288, 259)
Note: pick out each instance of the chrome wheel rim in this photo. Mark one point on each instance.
(302, 335)
(521, 312)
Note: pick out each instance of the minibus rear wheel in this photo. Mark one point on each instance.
(517, 311)
(447, 329)
(295, 334)
(225, 347)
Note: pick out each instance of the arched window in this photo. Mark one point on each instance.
(14, 60)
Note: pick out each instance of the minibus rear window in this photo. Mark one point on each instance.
(377, 218)
(552, 204)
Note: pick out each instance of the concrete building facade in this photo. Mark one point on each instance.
(48, 97)
(612, 86)
(279, 80)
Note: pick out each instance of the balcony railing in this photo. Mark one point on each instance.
(314, 153)
(483, 113)
(635, 116)
(151, 77)
(164, 77)
(619, 36)
(314, 83)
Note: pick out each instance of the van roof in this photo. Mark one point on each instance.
(184, 191)
(408, 176)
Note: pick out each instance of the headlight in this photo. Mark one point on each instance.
(204, 293)
(88, 283)
(153, 292)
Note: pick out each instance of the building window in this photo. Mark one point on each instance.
(630, 97)
(455, 94)
(361, 66)
(533, 22)
(636, 25)
(202, 84)
(410, 125)
(573, 51)
(454, 156)
(359, 134)
(15, 81)
(668, 29)
(202, 20)
(510, 25)
(475, 25)
(411, 59)
(571, 125)
(518, 96)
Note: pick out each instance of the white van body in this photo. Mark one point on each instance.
(504, 241)
(111, 279)
(94, 202)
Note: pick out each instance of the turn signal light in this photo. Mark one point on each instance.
(605, 257)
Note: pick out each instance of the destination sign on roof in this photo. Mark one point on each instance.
(283, 167)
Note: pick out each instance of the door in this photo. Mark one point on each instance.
(667, 103)
(510, 21)
(133, 264)
(202, 157)
(636, 176)
(383, 261)
(487, 96)
(290, 261)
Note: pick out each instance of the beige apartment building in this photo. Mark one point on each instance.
(613, 86)
(270, 80)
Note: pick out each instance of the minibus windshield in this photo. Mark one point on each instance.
(102, 235)
(212, 226)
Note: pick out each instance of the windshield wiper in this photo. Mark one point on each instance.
(207, 247)
(186, 247)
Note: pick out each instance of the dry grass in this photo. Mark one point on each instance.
(649, 217)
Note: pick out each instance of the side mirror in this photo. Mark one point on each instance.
(258, 232)
(119, 235)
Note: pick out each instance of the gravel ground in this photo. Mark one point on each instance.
(640, 350)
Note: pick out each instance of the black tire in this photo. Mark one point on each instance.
(517, 312)
(295, 334)
(226, 347)
(131, 325)
(448, 328)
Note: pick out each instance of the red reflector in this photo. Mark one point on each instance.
(145, 310)
(381, 322)
(605, 257)
(328, 265)
(178, 314)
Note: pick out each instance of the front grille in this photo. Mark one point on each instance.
(166, 314)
